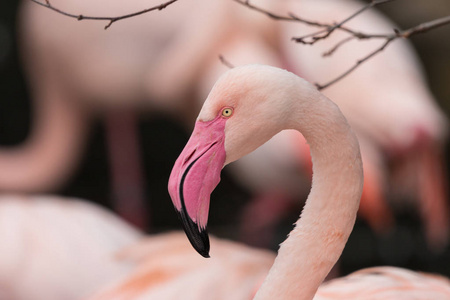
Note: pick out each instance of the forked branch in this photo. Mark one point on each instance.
(389, 38)
(326, 28)
(111, 20)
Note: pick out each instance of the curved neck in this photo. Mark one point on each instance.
(52, 151)
(315, 244)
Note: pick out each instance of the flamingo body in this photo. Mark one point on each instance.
(54, 248)
(389, 105)
(93, 60)
(114, 74)
(242, 99)
(385, 283)
(166, 268)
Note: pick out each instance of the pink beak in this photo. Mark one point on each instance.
(194, 176)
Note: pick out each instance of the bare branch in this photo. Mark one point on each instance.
(339, 44)
(407, 33)
(421, 28)
(290, 17)
(323, 34)
(312, 38)
(111, 20)
(425, 27)
(328, 29)
(356, 65)
(225, 62)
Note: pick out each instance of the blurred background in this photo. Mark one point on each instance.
(161, 137)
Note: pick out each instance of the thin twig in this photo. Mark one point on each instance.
(111, 20)
(225, 62)
(339, 44)
(327, 28)
(356, 65)
(326, 31)
(323, 34)
(290, 17)
(425, 27)
(407, 33)
(421, 28)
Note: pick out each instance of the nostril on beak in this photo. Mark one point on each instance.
(189, 157)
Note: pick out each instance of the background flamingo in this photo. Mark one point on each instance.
(93, 74)
(212, 57)
(57, 248)
(228, 127)
(400, 123)
(401, 118)
(166, 267)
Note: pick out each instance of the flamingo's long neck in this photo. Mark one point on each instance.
(317, 241)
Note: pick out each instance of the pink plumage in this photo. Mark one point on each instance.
(313, 246)
(56, 248)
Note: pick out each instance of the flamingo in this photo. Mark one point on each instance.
(287, 156)
(274, 172)
(77, 71)
(57, 248)
(398, 113)
(165, 267)
(245, 108)
(388, 103)
(89, 86)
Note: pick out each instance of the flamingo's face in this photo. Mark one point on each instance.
(240, 114)
(195, 175)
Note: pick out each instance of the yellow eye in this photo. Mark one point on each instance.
(227, 112)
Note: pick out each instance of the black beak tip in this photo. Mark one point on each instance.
(203, 247)
(198, 237)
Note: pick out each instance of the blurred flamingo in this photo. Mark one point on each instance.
(145, 67)
(390, 107)
(279, 173)
(165, 267)
(78, 70)
(245, 108)
(286, 155)
(398, 112)
(57, 248)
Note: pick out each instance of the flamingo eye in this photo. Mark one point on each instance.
(227, 112)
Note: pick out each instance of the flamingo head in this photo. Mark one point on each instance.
(244, 109)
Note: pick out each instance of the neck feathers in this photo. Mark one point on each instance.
(317, 241)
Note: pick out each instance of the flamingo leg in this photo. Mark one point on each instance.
(433, 196)
(125, 167)
(373, 207)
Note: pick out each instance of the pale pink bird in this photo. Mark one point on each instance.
(286, 155)
(387, 100)
(77, 70)
(246, 107)
(166, 267)
(56, 248)
(156, 53)
(389, 105)
(279, 173)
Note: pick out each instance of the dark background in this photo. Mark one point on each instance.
(405, 247)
